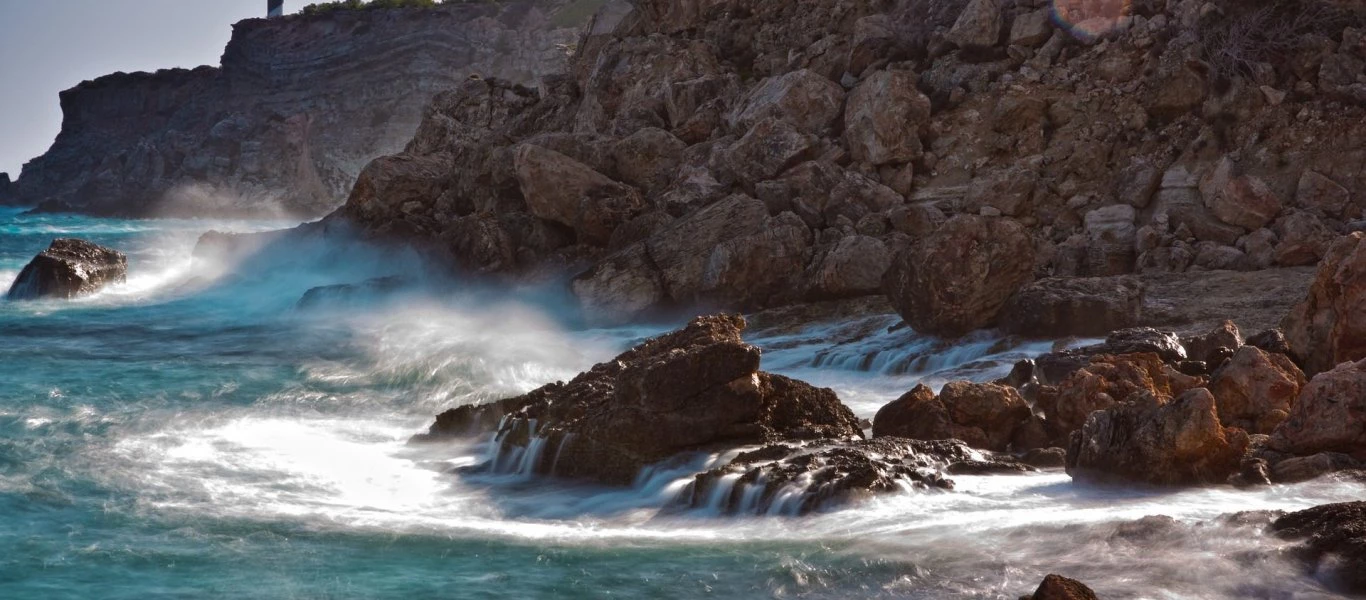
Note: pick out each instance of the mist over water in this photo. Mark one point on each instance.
(193, 434)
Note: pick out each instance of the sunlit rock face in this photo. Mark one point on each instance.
(299, 105)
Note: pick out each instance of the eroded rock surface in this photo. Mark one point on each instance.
(69, 268)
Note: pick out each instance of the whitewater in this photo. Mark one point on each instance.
(194, 434)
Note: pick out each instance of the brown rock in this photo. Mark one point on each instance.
(561, 189)
(1327, 327)
(1063, 306)
(853, 267)
(69, 268)
(1303, 237)
(1032, 29)
(1106, 381)
(802, 98)
(958, 278)
(1246, 202)
(1316, 191)
(693, 388)
(770, 147)
(649, 158)
(978, 26)
(1256, 390)
(1057, 587)
(1157, 441)
(1328, 416)
(883, 118)
(1225, 335)
(982, 415)
(1111, 234)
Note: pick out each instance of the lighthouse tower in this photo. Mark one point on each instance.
(275, 8)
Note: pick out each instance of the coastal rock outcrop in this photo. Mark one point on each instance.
(69, 268)
(1333, 542)
(1157, 440)
(984, 415)
(696, 388)
(1256, 390)
(1327, 328)
(297, 108)
(1328, 416)
(959, 278)
(1057, 587)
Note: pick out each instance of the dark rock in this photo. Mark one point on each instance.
(1333, 542)
(1057, 587)
(350, 294)
(1271, 340)
(1224, 336)
(984, 415)
(1056, 366)
(69, 268)
(1045, 458)
(695, 388)
(1063, 306)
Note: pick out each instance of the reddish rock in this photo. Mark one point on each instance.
(1246, 202)
(1107, 381)
(1158, 441)
(959, 278)
(1256, 390)
(1328, 416)
(1057, 587)
(1329, 326)
(984, 416)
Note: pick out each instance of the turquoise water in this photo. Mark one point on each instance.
(190, 434)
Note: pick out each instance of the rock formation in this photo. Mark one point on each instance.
(696, 388)
(1327, 328)
(784, 152)
(1333, 540)
(1057, 587)
(1328, 416)
(299, 105)
(69, 268)
(984, 415)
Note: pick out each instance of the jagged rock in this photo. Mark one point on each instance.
(1303, 239)
(1271, 340)
(1326, 329)
(958, 278)
(69, 268)
(1245, 201)
(561, 189)
(649, 159)
(1056, 366)
(1158, 441)
(788, 481)
(853, 267)
(1057, 587)
(690, 389)
(916, 220)
(1032, 29)
(1256, 390)
(983, 415)
(1063, 306)
(1328, 416)
(978, 26)
(1317, 191)
(1224, 335)
(1334, 542)
(1010, 192)
(771, 147)
(1104, 382)
(803, 98)
(884, 117)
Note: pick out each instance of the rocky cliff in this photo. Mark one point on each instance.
(299, 105)
(747, 153)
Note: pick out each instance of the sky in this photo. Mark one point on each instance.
(47, 46)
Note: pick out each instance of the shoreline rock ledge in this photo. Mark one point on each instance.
(694, 389)
(67, 269)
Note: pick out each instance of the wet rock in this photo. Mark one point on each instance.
(694, 388)
(1157, 441)
(1326, 328)
(1057, 587)
(1305, 468)
(1056, 366)
(67, 269)
(1256, 390)
(1045, 458)
(1334, 542)
(984, 416)
(1063, 306)
(350, 294)
(959, 278)
(883, 118)
(807, 480)
(561, 189)
(1328, 416)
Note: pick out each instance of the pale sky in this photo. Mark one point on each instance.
(47, 46)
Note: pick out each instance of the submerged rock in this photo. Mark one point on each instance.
(1334, 542)
(69, 268)
(349, 294)
(696, 388)
(1057, 587)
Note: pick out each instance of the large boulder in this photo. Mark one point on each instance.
(69, 268)
(1158, 441)
(695, 388)
(983, 415)
(1054, 367)
(883, 118)
(958, 278)
(1256, 390)
(978, 26)
(1062, 306)
(803, 98)
(1246, 202)
(1329, 326)
(854, 266)
(560, 189)
(1105, 382)
(1328, 416)
(1334, 542)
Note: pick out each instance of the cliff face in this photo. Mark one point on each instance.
(749, 153)
(298, 107)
